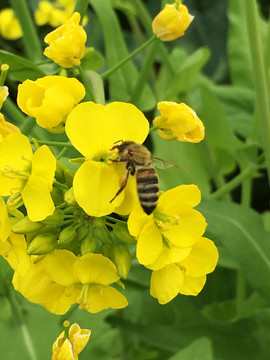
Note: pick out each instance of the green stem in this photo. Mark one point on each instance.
(20, 320)
(115, 220)
(152, 129)
(52, 143)
(236, 181)
(89, 92)
(30, 36)
(13, 112)
(81, 7)
(144, 72)
(256, 54)
(4, 72)
(129, 57)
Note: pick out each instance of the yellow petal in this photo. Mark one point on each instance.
(95, 269)
(66, 352)
(202, 258)
(192, 285)
(44, 165)
(179, 198)
(37, 199)
(165, 283)
(169, 256)
(95, 184)
(137, 220)
(103, 297)
(191, 227)
(4, 221)
(149, 245)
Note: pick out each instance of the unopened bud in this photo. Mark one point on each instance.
(88, 245)
(26, 226)
(67, 235)
(57, 195)
(69, 197)
(106, 250)
(69, 175)
(121, 231)
(82, 232)
(42, 244)
(55, 219)
(122, 259)
(100, 230)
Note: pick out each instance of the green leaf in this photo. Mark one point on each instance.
(20, 68)
(241, 231)
(123, 80)
(238, 47)
(97, 86)
(5, 308)
(92, 60)
(200, 349)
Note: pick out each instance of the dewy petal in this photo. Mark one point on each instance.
(179, 198)
(95, 269)
(191, 227)
(192, 285)
(149, 245)
(44, 165)
(37, 199)
(4, 221)
(165, 283)
(14, 149)
(58, 265)
(202, 258)
(95, 184)
(103, 297)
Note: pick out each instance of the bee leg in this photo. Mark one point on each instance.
(123, 184)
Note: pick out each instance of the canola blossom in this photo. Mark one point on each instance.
(66, 43)
(10, 27)
(93, 129)
(70, 346)
(172, 21)
(50, 99)
(27, 177)
(178, 122)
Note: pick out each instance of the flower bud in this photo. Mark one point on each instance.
(178, 122)
(67, 235)
(100, 230)
(106, 250)
(55, 219)
(42, 244)
(26, 226)
(69, 197)
(82, 232)
(88, 245)
(122, 259)
(172, 21)
(121, 231)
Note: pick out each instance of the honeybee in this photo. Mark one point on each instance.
(139, 163)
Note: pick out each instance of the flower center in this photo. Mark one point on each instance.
(83, 299)
(164, 221)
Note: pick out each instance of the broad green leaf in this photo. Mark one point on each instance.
(238, 47)
(200, 349)
(123, 80)
(5, 308)
(97, 85)
(20, 68)
(92, 60)
(241, 231)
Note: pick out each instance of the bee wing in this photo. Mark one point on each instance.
(164, 164)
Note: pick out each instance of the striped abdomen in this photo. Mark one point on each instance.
(147, 188)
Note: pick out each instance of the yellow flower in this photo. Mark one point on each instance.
(178, 122)
(66, 43)
(5, 226)
(167, 235)
(93, 130)
(6, 128)
(50, 99)
(26, 176)
(69, 348)
(10, 28)
(186, 277)
(172, 21)
(91, 275)
(47, 13)
(3, 94)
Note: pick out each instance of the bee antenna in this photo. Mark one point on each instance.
(118, 141)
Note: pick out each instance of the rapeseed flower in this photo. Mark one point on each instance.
(50, 99)
(6, 128)
(26, 177)
(67, 43)
(69, 346)
(178, 122)
(88, 278)
(186, 277)
(172, 21)
(3, 94)
(93, 130)
(10, 28)
(168, 234)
